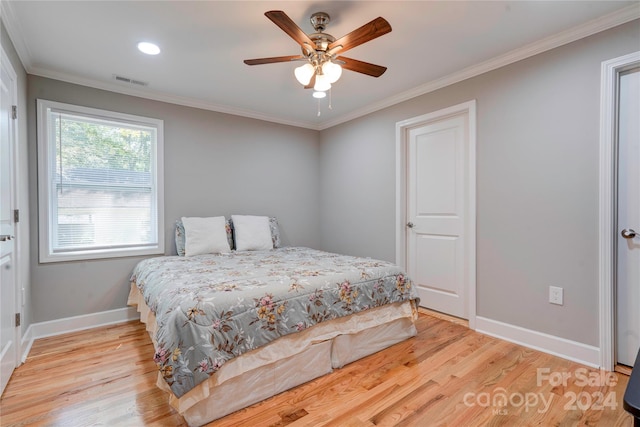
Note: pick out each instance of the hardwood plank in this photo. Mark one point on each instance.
(623, 369)
(447, 375)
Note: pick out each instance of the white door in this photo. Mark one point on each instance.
(438, 236)
(628, 248)
(8, 266)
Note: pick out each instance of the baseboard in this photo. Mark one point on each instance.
(561, 347)
(75, 323)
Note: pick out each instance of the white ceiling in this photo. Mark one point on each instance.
(204, 43)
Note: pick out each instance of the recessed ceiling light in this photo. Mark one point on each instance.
(148, 48)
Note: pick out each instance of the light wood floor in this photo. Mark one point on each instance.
(447, 375)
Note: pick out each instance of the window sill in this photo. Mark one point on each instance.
(46, 258)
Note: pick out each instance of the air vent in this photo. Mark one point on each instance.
(129, 80)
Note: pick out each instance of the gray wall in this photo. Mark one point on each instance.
(22, 232)
(215, 164)
(537, 183)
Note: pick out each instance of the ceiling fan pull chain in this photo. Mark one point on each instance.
(330, 99)
(318, 108)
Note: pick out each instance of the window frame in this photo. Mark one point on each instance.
(46, 161)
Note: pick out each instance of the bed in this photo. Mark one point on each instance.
(232, 328)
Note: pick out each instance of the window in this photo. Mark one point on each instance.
(100, 184)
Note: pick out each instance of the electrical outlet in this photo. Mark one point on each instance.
(556, 295)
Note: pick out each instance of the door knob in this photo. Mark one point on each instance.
(410, 224)
(628, 234)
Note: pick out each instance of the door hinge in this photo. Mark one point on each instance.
(16, 215)
(14, 112)
(17, 319)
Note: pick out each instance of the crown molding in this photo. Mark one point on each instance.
(14, 29)
(169, 98)
(619, 17)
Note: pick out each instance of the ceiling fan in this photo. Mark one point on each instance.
(320, 50)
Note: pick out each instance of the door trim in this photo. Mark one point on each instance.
(402, 130)
(610, 71)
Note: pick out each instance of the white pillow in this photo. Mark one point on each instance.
(252, 233)
(205, 236)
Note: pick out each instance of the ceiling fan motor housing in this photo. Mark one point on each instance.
(322, 40)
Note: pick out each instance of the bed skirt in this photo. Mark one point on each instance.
(288, 362)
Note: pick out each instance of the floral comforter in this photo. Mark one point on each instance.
(211, 308)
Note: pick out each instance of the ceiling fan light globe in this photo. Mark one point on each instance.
(332, 70)
(304, 73)
(322, 83)
(319, 95)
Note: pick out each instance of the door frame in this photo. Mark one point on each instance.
(402, 132)
(17, 330)
(610, 71)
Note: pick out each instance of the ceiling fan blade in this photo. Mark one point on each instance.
(287, 25)
(312, 82)
(272, 60)
(361, 67)
(376, 28)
